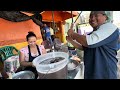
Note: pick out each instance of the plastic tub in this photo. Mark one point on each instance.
(57, 70)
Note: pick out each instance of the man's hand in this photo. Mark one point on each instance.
(70, 33)
(72, 25)
(69, 39)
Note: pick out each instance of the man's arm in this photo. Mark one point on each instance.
(75, 36)
(74, 43)
(80, 39)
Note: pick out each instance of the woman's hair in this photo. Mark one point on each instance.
(30, 34)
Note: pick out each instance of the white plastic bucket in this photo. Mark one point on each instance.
(52, 69)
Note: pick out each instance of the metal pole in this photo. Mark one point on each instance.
(53, 21)
(72, 24)
(78, 17)
(72, 16)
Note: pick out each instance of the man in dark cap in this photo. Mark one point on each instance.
(100, 47)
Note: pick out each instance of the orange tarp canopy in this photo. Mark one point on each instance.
(58, 15)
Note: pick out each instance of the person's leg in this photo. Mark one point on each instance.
(47, 38)
(52, 37)
(50, 40)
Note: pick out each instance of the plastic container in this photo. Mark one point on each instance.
(57, 70)
(11, 64)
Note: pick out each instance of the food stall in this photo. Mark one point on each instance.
(27, 16)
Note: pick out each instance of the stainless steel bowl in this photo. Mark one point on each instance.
(24, 75)
(72, 65)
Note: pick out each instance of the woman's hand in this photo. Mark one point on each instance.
(32, 64)
(44, 51)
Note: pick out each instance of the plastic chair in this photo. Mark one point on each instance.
(2, 55)
(8, 51)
